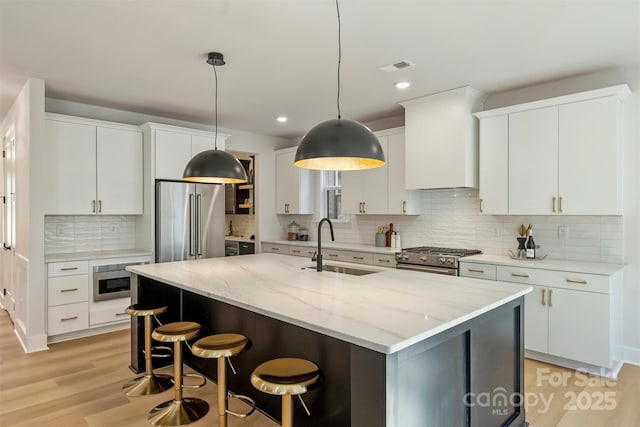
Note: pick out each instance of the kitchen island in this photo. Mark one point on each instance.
(397, 348)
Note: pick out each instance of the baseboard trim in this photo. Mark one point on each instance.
(89, 332)
(631, 355)
(572, 364)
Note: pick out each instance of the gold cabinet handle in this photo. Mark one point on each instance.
(69, 290)
(544, 291)
(553, 204)
(383, 260)
(473, 270)
(560, 204)
(99, 206)
(295, 251)
(68, 268)
(364, 207)
(93, 206)
(333, 255)
(578, 281)
(550, 295)
(481, 205)
(275, 249)
(520, 275)
(404, 206)
(358, 257)
(65, 319)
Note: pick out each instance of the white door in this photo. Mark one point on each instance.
(71, 168)
(536, 320)
(590, 163)
(173, 152)
(533, 161)
(119, 171)
(494, 165)
(579, 326)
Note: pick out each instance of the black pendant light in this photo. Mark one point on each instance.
(339, 144)
(215, 166)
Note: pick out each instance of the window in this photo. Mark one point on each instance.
(331, 192)
(9, 193)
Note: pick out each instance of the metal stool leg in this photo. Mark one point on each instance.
(287, 410)
(222, 391)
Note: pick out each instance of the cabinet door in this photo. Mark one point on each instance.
(399, 200)
(173, 152)
(71, 168)
(533, 161)
(352, 197)
(287, 182)
(375, 184)
(590, 167)
(536, 321)
(494, 165)
(119, 171)
(579, 326)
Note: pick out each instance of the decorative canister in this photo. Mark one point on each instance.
(293, 231)
(303, 234)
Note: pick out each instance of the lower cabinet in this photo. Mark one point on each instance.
(68, 291)
(329, 254)
(568, 315)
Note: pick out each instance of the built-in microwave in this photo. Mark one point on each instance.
(112, 281)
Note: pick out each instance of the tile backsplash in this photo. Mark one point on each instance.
(88, 233)
(450, 218)
(243, 225)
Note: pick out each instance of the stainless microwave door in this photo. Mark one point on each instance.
(175, 210)
(210, 201)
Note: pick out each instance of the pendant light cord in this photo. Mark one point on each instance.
(215, 74)
(339, 57)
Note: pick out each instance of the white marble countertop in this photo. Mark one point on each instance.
(81, 256)
(335, 245)
(547, 264)
(385, 312)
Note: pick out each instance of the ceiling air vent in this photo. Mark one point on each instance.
(398, 65)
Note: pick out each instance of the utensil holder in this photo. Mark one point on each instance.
(381, 240)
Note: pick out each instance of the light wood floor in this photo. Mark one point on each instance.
(77, 383)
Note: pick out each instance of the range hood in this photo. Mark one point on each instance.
(441, 139)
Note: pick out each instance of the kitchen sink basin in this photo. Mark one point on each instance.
(344, 270)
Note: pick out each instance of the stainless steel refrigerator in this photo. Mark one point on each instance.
(189, 221)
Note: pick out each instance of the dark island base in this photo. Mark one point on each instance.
(469, 375)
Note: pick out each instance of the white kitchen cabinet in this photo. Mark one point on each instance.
(381, 190)
(564, 155)
(174, 147)
(494, 165)
(536, 320)
(533, 161)
(93, 167)
(294, 192)
(67, 297)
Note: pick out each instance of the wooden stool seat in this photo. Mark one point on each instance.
(181, 410)
(176, 331)
(287, 377)
(222, 346)
(144, 310)
(147, 383)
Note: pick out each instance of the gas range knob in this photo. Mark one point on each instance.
(423, 258)
(441, 260)
(450, 261)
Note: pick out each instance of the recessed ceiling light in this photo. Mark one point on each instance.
(282, 119)
(402, 85)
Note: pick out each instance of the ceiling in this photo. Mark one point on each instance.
(149, 56)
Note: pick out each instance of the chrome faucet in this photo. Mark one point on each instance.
(319, 252)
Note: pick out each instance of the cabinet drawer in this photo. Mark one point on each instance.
(275, 248)
(68, 318)
(384, 260)
(557, 279)
(298, 251)
(68, 289)
(111, 313)
(69, 268)
(358, 257)
(479, 271)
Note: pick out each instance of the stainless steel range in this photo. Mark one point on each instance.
(433, 260)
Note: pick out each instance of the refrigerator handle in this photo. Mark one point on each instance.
(198, 224)
(191, 250)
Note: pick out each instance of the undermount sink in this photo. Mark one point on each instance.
(344, 270)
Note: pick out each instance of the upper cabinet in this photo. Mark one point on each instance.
(381, 190)
(441, 149)
(174, 147)
(293, 185)
(93, 167)
(561, 156)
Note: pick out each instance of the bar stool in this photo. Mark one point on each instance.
(287, 377)
(221, 347)
(148, 383)
(180, 410)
